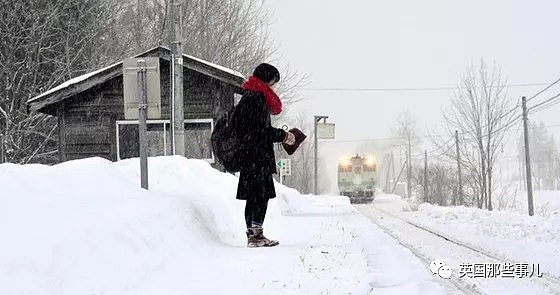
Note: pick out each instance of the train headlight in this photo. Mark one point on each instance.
(345, 161)
(370, 163)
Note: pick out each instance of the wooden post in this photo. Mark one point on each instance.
(392, 166)
(178, 116)
(409, 171)
(398, 178)
(388, 172)
(527, 158)
(426, 176)
(315, 160)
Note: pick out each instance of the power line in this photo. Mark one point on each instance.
(508, 125)
(515, 119)
(551, 100)
(548, 106)
(435, 149)
(515, 108)
(545, 89)
(408, 88)
(505, 128)
(379, 139)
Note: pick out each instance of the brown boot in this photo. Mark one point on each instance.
(255, 238)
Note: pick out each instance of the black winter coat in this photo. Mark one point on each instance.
(257, 136)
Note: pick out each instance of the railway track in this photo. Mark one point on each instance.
(548, 281)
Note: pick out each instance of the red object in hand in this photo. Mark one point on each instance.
(300, 137)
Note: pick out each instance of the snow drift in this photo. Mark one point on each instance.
(86, 227)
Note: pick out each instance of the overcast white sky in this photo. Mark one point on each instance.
(411, 44)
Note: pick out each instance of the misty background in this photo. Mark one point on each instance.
(364, 64)
(368, 61)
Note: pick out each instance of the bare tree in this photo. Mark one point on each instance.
(440, 183)
(544, 151)
(407, 138)
(234, 33)
(43, 44)
(302, 160)
(481, 112)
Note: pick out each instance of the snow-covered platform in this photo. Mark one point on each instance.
(85, 227)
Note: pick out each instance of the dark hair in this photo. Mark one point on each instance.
(267, 73)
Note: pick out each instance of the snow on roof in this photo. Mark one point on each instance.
(228, 70)
(73, 81)
(219, 67)
(88, 75)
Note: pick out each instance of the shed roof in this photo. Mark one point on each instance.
(91, 79)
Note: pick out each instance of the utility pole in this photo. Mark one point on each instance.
(177, 112)
(142, 124)
(527, 158)
(392, 166)
(388, 175)
(460, 188)
(409, 171)
(316, 160)
(398, 178)
(426, 176)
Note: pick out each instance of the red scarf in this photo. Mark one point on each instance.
(272, 100)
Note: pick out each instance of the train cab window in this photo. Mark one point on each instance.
(345, 168)
(358, 169)
(370, 168)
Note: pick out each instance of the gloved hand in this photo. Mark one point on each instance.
(290, 138)
(299, 138)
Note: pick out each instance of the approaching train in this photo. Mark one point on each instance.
(357, 178)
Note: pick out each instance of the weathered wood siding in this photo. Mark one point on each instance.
(205, 97)
(88, 120)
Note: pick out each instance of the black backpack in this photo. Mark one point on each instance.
(225, 143)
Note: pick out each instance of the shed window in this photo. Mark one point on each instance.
(159, 143)
(357, 169)
(197, 139)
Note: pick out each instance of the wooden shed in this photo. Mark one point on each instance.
(91, 114)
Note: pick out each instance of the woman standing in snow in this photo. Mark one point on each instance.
(257, 137)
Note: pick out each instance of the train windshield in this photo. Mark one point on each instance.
(345, 168)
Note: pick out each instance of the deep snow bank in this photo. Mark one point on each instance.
(85, 227)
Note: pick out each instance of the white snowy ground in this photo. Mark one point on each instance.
(510, 234)
(85, 227)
